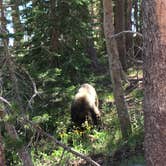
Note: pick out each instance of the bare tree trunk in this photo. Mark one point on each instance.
(154, 16)
(23, 153)
(115, 70)
(101, 18)
(128, 26)
(18, 29)
(92, 53)
(128, 8)
(54, 43)
(2, 156)
(119, 27)
(3, 22)
(91, 50)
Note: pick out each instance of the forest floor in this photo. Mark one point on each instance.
(105, 144)
(124, 155)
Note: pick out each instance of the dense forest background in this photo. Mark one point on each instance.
(48, 48)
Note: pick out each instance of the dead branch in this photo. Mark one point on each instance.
(5, 101)
(49, 136)
(65, 147)
(136, 61)
(126, 32)
(34, 89)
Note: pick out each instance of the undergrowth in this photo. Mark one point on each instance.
(106, 141)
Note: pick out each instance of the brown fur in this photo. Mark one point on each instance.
(85, 106)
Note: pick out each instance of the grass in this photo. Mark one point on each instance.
(135, 160)
(106, 141)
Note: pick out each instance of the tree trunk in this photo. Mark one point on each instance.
(154, 16)
(128, 8)
(2, 156)
(54, 43)
(90, 46)
(22, 152)
(101, 18)
(91, 50)
(18, 29)
(115, 70)
(3, 22)
(128, 26)
(119, 27)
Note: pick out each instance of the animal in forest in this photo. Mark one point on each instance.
(85, 106)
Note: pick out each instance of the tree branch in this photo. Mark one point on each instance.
(5, 101)
(65, 147)
(42, 132)
(126, 32)
(34, 89)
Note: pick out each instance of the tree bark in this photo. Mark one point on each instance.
(119, 27)
(54, 42)
(128, 8)
(2, 156)
(18, 29)
(115, 70)
(22, 152)
(91, 50)
(90, 46)
(154, 16)
(128, 26)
